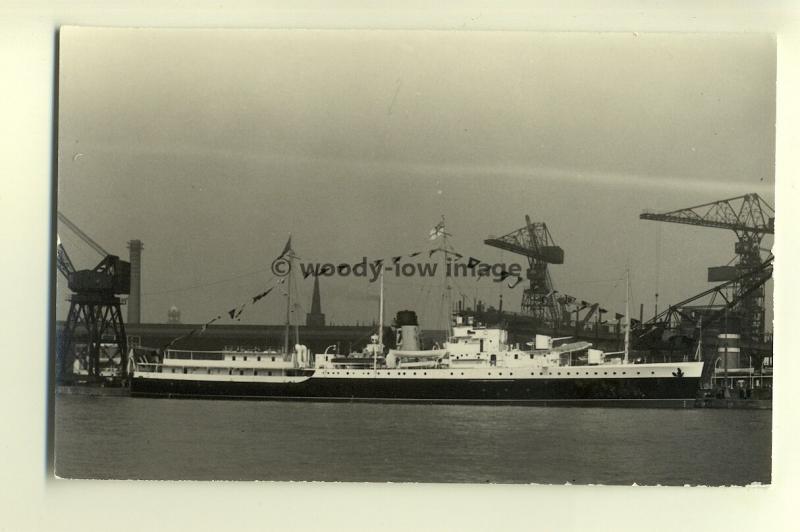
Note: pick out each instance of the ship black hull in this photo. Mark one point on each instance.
(579, 392)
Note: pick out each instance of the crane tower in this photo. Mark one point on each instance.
(534, 242)
(94, 315)
(750, 218)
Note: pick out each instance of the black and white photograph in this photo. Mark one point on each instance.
(415, 256)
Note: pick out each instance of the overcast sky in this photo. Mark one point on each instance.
(212, 146)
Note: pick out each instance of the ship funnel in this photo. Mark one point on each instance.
(408, 330)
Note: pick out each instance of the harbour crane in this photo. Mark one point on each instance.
(674, 315)
(535, 242)
(94, 314)
(592, 309)
(750, 218)
(678, 325)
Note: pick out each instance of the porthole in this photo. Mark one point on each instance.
(623, 373)
(652, 373)
(559, 373)
(605, 373)
(615, 373)
(595, 373)
(638, 373)
(414, 373)
(568, 373)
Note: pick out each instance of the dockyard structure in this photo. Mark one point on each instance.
(539, 298)
(94, 322)
(731, 312)
(545, 310)
(750, 218)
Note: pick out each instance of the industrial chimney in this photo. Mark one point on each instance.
(135, 298)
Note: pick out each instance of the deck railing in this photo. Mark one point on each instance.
(181, 354)
(148, 367)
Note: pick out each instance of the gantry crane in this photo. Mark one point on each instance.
(680, 314)
(592, 309)
(534, 242)
(94, 314)
(750, 218)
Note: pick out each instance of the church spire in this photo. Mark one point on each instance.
(316, 318)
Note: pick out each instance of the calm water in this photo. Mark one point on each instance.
(120, 437)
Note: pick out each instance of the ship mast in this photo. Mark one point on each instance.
(698, 354)
(380, 328)
(627, 314)
(296, 331)
(288, 309)
(448, 301)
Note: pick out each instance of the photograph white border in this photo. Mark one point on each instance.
(32, 501)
